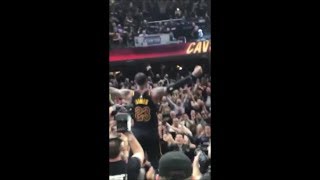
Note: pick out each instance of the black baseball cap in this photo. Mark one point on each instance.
(175, 164)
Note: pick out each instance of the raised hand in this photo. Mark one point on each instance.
(197, 72)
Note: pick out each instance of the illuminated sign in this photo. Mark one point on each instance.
(162, 51)
(198, 47)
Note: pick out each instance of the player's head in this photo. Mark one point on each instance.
(141, 79)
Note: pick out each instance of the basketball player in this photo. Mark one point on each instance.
(144, 100)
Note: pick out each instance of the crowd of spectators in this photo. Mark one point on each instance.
(184, 116)
(130, 18)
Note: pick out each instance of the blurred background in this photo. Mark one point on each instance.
(131, 22)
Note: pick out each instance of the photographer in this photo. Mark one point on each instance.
(120, 165)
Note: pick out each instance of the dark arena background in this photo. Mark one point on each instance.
(170, 38)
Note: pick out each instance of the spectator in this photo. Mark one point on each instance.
(171, 8)
(195, 6)
(166, 30)
(175, 165)
(180, 143)
(194, 33)
(202, 8)
(178, 13)
(131, 7)
(173, 115)
(200, 35)
(143, 33)
(207, 18)
(130, 40)
(172, 38)
(113, 18)
(120, 166)
(138, 16)
(208, 98)
(185, 14)
(117, 39)
(178, 127)
(162, 4)
(157, 78)
(128, 20)
(199, 119)
(178, 108)
(162, 27)
(187, 122)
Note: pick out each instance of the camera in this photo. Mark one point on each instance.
(207, 175)
(204, 160)
(121, 109)
(123, 118)
(123, 122)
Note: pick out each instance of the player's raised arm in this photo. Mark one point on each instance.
(122, 93)
(158, 92)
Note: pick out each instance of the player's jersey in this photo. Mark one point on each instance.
(144, 111)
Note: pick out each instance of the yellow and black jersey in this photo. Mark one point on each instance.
(144, 111)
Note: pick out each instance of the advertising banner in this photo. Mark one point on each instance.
(151, 40)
